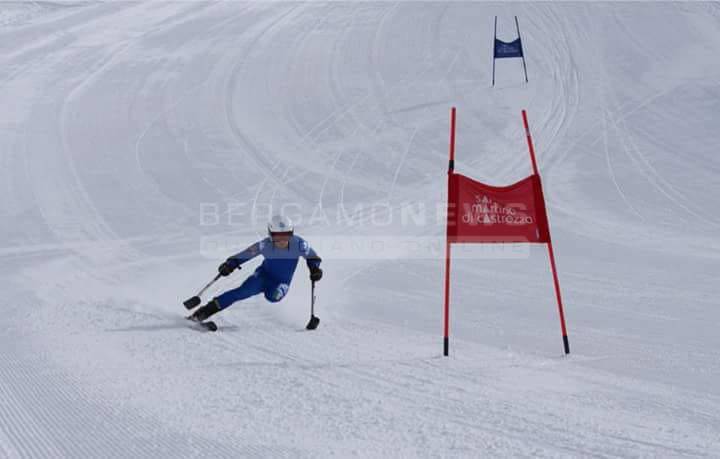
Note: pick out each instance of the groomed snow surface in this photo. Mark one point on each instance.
(142, 143)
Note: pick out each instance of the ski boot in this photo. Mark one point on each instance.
(202, 314)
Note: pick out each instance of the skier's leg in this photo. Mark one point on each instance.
(252, 286)
(275, 292)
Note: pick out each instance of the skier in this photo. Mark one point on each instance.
(281, 250)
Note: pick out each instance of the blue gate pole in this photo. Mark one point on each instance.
(522, 52)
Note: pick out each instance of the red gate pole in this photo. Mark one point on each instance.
(451, 169)
(566, 343)
(530, 144)
(551, 254)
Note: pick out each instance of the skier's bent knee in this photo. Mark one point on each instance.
(277, 294)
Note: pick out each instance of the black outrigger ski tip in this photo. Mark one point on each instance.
(313, 323)
(192, 302)
(195, 301)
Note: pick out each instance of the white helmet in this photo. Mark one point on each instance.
(280, 224)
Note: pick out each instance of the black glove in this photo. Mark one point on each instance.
(315, 274)
(228, 267)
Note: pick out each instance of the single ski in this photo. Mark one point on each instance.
(208, 325)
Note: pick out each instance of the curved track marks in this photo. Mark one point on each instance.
(333, 104)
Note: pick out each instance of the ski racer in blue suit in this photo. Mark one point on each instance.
(281, 250)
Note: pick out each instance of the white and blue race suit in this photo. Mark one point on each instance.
(273, 276)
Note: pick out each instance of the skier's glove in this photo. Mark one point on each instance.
(228, 267)
(315, 274)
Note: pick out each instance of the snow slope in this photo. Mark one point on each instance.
(142, 143)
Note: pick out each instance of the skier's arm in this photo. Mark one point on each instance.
(229, 265)
(313, 260)
(247, 254)
(309, 254)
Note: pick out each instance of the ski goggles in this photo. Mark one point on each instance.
(281, 236)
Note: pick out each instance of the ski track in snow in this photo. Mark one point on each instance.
(122, 120)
